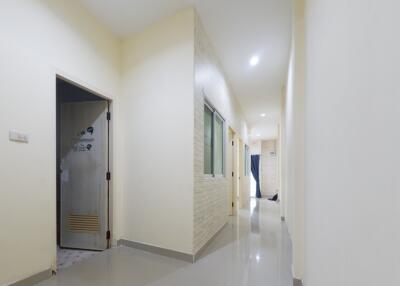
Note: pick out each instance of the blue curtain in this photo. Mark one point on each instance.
(255, 170)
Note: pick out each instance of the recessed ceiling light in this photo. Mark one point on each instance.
(254, 60)
(258, 135)
(263, 114)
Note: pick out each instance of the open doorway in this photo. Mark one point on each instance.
(83, 173)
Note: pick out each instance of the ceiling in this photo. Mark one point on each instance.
(239, 30)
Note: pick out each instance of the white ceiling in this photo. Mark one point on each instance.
(238, 29)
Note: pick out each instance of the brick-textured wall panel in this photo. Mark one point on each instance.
(210, 194)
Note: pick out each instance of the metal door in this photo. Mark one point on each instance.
(84, 165)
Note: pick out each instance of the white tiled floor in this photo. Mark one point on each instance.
(253, 250)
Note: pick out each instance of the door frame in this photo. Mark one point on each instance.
(231, 172)
(110, 147)
(240, 172)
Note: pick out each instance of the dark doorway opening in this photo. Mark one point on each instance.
(83, 172)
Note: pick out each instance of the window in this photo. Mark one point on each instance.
(213, 142)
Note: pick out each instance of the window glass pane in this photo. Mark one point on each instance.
(219, 146)
(208, 121)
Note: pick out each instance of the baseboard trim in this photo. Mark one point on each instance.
(157, 250)
(201, 250)
(297, 282)
(168, 252)
(34, 279)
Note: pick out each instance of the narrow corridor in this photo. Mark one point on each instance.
(253, 249)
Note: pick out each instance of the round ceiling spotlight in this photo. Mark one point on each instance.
(263, 114)
(254, 60)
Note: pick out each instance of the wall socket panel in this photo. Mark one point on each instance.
(18, 137)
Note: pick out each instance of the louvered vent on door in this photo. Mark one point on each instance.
(84, 223)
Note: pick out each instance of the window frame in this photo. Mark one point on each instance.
(212, 142)
(216, 115)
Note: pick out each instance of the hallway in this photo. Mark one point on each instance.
(253, 249)
(146, 123)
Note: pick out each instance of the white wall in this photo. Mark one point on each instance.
(39, 39)
(293, 142)
(268, 168)
(352, 205)
(211, 193)
(157, 109)
(255, 147)
(282, 155)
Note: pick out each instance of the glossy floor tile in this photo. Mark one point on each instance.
(253, 249)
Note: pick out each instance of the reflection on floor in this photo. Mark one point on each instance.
(68, 257)
(254, 249)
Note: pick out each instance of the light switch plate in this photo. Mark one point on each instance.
(18, 137)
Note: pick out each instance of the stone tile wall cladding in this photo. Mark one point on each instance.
(210, 193)
(268, 168)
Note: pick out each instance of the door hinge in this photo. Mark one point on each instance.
(233, 143)
(233, 204)
(108, 235)
(108, 115)
(108, 176)
(233, 174)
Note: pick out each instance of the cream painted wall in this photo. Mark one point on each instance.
(157, 111)
(352, 203)
(293, 142)
(167, 71)
(39, 39)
